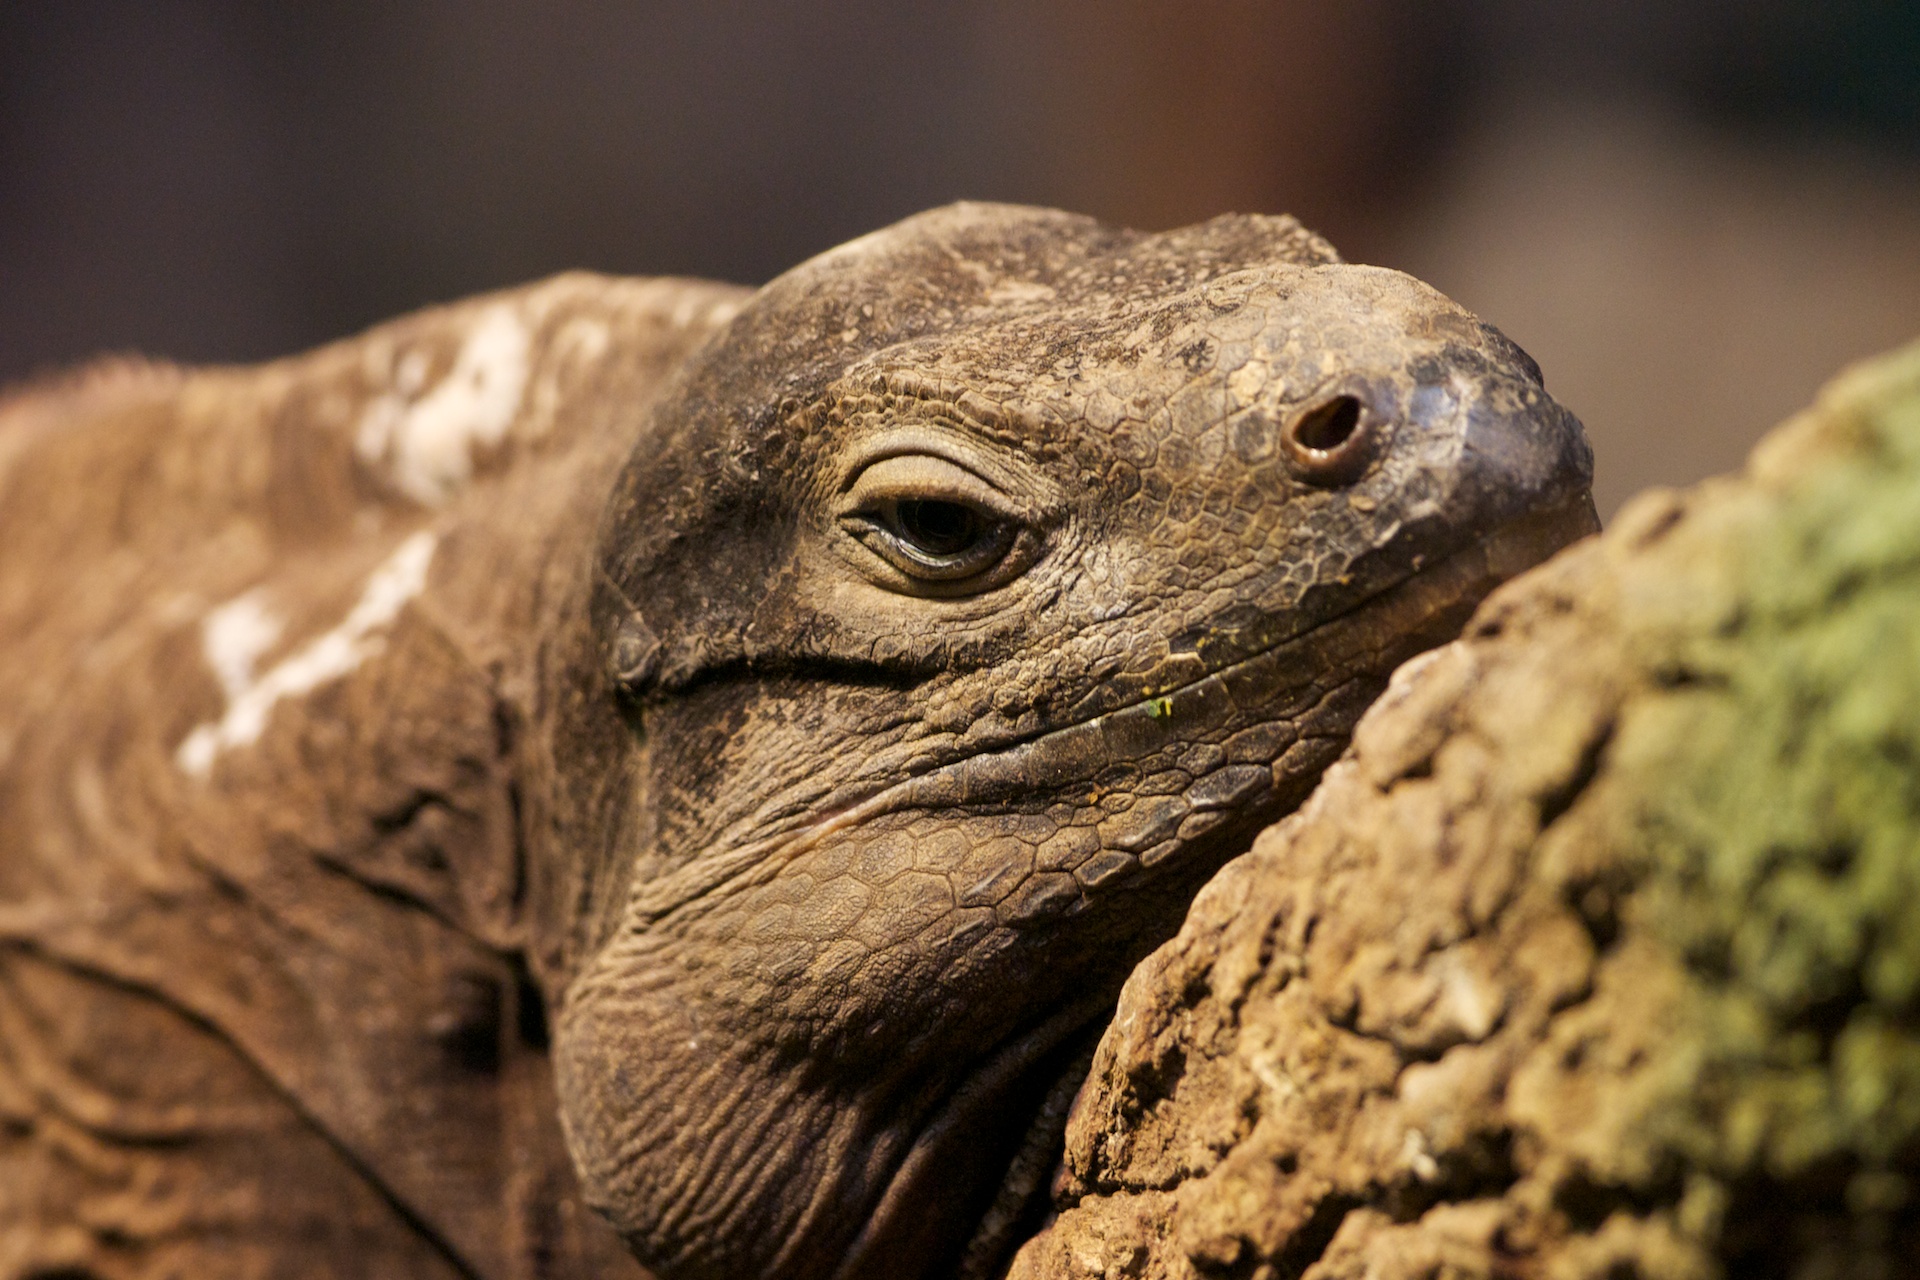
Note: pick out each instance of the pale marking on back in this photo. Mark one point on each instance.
(580, 342)
(234, 636)
(427, 443)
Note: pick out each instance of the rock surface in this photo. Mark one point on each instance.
(1598, 955)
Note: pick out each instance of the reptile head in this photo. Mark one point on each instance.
(981, 589)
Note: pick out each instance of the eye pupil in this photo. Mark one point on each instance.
(938, 528)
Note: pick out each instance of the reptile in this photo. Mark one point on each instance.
(646, 769)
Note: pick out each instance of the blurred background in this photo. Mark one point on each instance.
(1691, 211)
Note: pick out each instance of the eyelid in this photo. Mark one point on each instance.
(923, 477)
(1019, 488)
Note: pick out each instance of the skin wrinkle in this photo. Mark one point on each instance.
(158, 993)
(823, 874)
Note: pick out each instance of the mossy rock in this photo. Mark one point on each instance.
(1599, 953)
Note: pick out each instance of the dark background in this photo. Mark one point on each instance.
(1690, 213)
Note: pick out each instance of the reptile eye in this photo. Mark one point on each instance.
(937, 540)
(934, 527)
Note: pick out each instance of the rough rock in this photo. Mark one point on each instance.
(1598, 954)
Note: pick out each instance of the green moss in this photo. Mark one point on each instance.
(1772, 769)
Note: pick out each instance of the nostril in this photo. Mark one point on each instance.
(1328, 426)
(1328, 443)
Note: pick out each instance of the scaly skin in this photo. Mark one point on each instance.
(961, 604)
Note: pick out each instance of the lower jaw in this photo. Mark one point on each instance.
(1008, 1118)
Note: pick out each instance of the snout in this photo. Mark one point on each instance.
(1519, 452)
(1460, 452)
(1444, 453)
(1433, 424)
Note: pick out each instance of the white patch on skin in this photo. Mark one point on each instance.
(579, 343)
(427, 442)
(234, 636)
(682, 314)
(584, 339)
(238, 632)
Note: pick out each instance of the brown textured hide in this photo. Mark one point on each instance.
(535, 668)
(296, 1040)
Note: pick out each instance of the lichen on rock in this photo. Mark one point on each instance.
(1598, 955)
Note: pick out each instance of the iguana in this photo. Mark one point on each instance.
(703, 756)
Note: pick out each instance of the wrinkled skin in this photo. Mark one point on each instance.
(960, 606)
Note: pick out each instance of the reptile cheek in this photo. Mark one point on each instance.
(1331, 441)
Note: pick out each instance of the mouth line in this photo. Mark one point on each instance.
(1422, 591)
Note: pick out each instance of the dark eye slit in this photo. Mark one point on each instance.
(938, 528)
